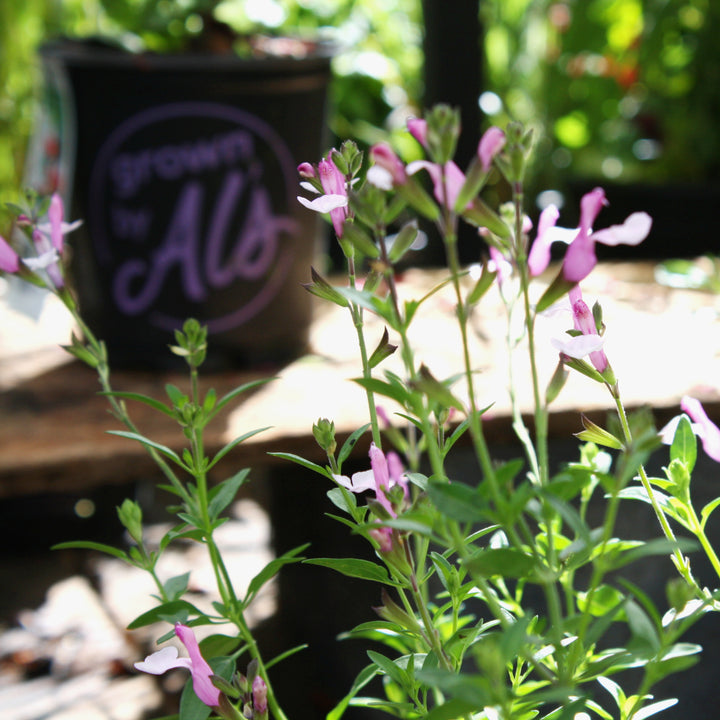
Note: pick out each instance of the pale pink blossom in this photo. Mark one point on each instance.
(547, 234)
(703, 426)
(259, 696)
(589, 342)
(580, 257)
(388, 170)
(491, 143)
(385, 473)
(447, 180)
(9, 259)
(334, 199)
(167, 659)
(49, 242)
(417, 127)
(306, 170)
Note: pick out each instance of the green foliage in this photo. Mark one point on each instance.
(618, 88)
(500, 584)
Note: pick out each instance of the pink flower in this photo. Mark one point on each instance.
(259, 695)
(384, 474)
(9, 260)
(589, 342)
(388, 169)
(580, 257)
(585, 323)
(417, 127)
(384, 538)
(56, 228)
(49, 242)
(704, 428)
(491, 143)
(306, 170)
(334, 199)
(500, 264)
(447, 180)
(547, 234)
(167, 659)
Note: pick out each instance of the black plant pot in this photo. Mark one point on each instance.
(184, 170)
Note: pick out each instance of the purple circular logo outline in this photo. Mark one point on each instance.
(144, 118)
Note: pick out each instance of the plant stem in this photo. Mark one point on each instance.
(682, 565)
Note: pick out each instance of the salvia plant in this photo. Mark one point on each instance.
(497, 591)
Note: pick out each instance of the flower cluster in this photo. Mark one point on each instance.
(497, 594)
(47, 242)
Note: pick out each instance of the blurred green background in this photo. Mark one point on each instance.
(619, 90)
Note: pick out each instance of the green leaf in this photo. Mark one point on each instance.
(403, 241)
(684, 444)
(557, 288)
(233, 444)
(658, 546)
(215, 645)
(191, 707)
(284, 655)
(362, 679)
(175, 611)
(177, 397)
(222, 495)
(302, 461)
(466, 687)
(229, 397)
(349, 444)
(324, 290)
(271, 569)
(707, 510)
(89, 545)
(505, 562)
(383, 350)
(605, 599)
(209, 401)
(458, 501)
(436, 390)
(139, 397)
(642, 627)
(395, 391)
(162, 449)
(342, 499)
(176, 586)
(355, 567)
(390, 668)
(598, 435)
(456, 435)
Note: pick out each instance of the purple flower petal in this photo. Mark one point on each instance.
(417, 127)
(539, 256)
(632, 232)
(9, 260)
(491, 143)
(579, 346)
(162, 661)
(706, 429)
(324, 203)
(199, 668)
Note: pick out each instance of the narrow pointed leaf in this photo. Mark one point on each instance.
(355, 567)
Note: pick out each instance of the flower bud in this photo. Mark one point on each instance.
(324, 433)
(130, 516)
(306, 170)
(259, 695)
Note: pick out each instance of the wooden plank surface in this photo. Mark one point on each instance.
(662, 343)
